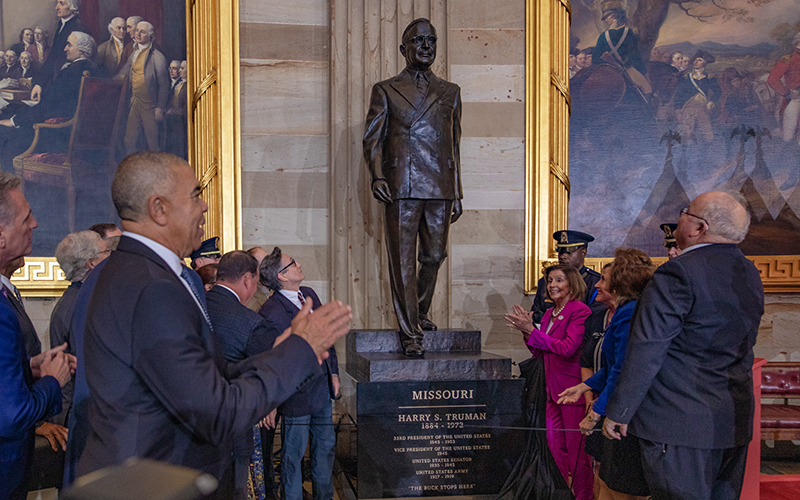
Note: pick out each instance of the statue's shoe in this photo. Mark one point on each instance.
(427, 324)
(414, 350)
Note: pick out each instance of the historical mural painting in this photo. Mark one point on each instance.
(674, 98)
(134, 52)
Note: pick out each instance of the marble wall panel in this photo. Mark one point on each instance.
(313, 12)
(487, 46)
(285, 226)
(286, 189)
(493, 119)
(471, 14)
(490, 227)
(278, 78)
(284, 115)
(285, 153)
(490, 83)
(283, 41)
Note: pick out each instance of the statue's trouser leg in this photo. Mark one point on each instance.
(401, 227)
(433, 233)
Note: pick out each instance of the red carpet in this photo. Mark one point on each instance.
(783, 487)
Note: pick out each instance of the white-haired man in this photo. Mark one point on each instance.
(77, 254)
(60, 99)
(686, 388)
(148, 76)
(109, 53)
(68, 22)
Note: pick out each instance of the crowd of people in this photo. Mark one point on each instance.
(215, 372)
(154, 116)
(647, 351)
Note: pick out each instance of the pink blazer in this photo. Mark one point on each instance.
(561, 347)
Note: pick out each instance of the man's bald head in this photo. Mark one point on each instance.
(726, 215)
(139, 177)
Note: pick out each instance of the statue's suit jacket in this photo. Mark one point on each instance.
(415, 146)
(690, 352)
(159, 385)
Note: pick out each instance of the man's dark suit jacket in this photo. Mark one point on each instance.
(32, 344)
(159, 385)
(687, 377)
(278, 311)
(57, 57)
(24, 403)
(60, 322)
(241, 332)
(415, 147)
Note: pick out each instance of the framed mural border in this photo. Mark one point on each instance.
(547, 103)
(212, 55)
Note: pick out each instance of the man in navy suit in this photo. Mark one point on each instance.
(686, 389)
(148, 331)
(310, 410)
(25, 401)
(242, 333)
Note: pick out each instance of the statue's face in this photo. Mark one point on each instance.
(419, 46)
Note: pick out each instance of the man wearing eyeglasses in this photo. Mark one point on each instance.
(309, 411)
(572, 247)
(686, 389)
(411, 145)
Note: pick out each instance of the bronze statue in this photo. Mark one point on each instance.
(411, 145)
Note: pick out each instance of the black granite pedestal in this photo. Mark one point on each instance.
(443, 424)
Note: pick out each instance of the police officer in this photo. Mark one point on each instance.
(572, 247)
(208, 253)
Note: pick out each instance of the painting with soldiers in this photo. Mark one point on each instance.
(672, 99)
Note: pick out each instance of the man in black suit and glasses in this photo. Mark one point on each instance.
(686, 389)
(411, 145)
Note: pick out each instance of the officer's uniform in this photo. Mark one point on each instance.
(568, 240)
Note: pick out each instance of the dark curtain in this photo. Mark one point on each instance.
(535, 475)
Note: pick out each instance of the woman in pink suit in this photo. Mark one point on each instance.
(558, 341)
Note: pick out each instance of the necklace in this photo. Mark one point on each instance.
(557, 312)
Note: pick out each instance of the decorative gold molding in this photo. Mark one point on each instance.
(779, 273)
(547, 105)
(212, 50)
(40, 277)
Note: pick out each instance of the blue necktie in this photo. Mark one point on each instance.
(195, 285)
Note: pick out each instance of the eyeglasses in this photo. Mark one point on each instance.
(290, 264)
(685, 211)
(419, 40)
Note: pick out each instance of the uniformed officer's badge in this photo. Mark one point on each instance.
(564, 238)
(668, 232)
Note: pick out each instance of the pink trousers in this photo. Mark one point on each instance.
(567, 447)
